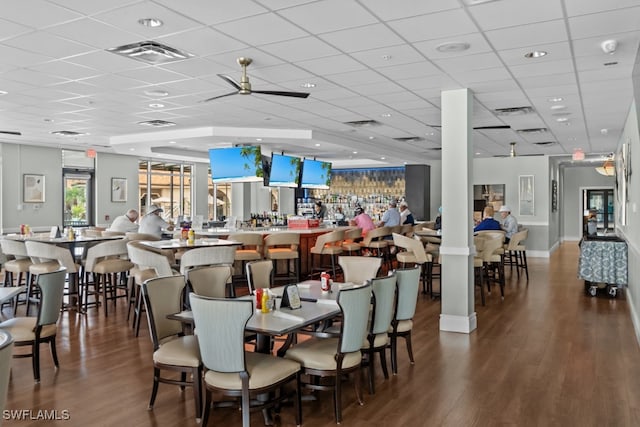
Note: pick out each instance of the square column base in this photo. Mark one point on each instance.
(461, 324)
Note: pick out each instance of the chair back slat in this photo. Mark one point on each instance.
(384, 290)
(259, 274)
(359, 269)
(163, 296)
(15, 248)
(220, 324)
(210, 281)
(354, 303)
(215, 255)
(144, 258)
(407, 284)
(52, 290)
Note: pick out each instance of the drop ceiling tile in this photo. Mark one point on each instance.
(395, 10)
(46, 14)
(94, 33)
(301, 49)
(202, 42)
(542, 68)
(468, 78)
(329, 15)
(362, 38)
(329, 65)
(425, 70)
(32, 77)
(601, 24)
(389, 56)
(583, 7)
(555, 52)
(439, 25)
(495, 86)
(112, 81)
(151, 76)
(65, 70)
(376, 88)
(211, 13)
(534, 82)
(528, 35)
(261, 30)
(10, 29)
(281, 73)
(90, 7)
(106, 62)
(194, 67)
(470, 62)
(356, 77)
(126, 18)
(493, 15)
(47, 44)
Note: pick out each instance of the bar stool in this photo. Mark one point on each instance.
(326, 244)
(414, 253)
(350, 243)
(375, 241)
(516, 252)
(18, 267)
(251, 249)
(283, 246)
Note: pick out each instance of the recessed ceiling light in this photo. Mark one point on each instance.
(558, 107)
(156, 105)
(355, 152)
(48, 120)
(382, 158)
(172, 142)
(453, 47)
(562, 119)
(430, 133)
(156, 92)
(372, 137)
(308, 85)
(386, 57)
(3, 92)
(555, 99)
(604, 131)
(259, 139)
(150, 22)
(132, 149)
(385, 115)
(477, 154)
(317, 145)
(535, 54)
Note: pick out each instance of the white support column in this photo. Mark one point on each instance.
(457, 292)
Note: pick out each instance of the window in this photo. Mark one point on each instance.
(78, 198)
(166, 185)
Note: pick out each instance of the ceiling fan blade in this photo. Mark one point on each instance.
(11, 132)
(493, 127)
(229, 80)
(280, 93)
(220, 96)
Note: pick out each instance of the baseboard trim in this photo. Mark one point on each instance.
(460, 324)
(634, 315)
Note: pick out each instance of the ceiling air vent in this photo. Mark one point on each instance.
(513, 111)
(435, 148)
(157, 123)
(409, 139)
(363, 123)
(150, 52)
(67, 133)
(545, 143)
(532, 131)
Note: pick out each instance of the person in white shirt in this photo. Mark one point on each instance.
(406, 217)
(151, 223)
(125, 223)
(509, 224)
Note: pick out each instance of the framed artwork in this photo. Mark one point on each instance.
(554, 195)
(118, 189)
(525, 192)
(488, 194)
(33, 188)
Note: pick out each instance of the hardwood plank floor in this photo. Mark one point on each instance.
(545, 356)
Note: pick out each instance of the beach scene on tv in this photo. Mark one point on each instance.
(315, 174)
(236, 164)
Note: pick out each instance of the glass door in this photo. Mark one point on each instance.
(78, 197)
(600, 201)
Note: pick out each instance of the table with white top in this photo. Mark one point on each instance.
(9, 292)
(176, 244)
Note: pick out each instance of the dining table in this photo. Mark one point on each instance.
(9, 292)
(176, 244)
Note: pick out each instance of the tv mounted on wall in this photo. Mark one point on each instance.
(315, 174)
(236, 164)
(284, 171)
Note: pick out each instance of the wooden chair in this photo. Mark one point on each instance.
(407, 284)
(172, 350)
(33, 331)
(326, 244)
(333, 358)
(359, 269)
(230, 369)
(377, 339)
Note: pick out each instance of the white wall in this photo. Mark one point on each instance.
(114, 166)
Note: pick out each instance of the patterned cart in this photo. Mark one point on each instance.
(603, 264)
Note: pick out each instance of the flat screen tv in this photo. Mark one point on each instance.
(284, 171)
(315, 174)
(236, 164)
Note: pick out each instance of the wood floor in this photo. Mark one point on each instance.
(545, 356)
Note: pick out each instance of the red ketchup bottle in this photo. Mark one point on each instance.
(259, 292)
(325, 281)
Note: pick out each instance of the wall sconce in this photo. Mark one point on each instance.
(608, 168)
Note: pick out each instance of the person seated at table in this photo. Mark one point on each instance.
(406, 217)
(438, 221)
(340, 218)
(391, 216)
(152, 223)
(488, 221)
(125, 223)
(509, 224)
(320, 210)
(362, 220)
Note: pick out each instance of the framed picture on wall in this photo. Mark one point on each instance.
(33, 188)
(118, 189)
(526, 191)
(554, 195)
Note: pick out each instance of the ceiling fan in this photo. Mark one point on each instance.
(244, 87)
